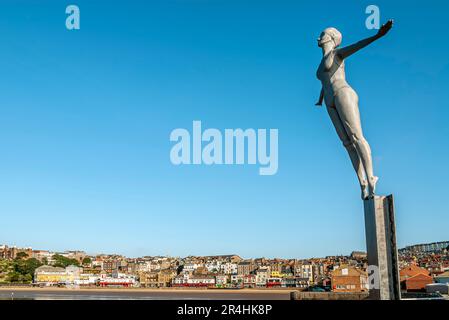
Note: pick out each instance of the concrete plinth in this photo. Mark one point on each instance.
(381, 248)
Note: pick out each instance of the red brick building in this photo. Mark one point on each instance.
(414, 278)
(349, 279)
(417, 282)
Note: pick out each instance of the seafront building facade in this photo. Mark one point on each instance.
(419, 268)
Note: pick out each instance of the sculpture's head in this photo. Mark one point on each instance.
(328, 35)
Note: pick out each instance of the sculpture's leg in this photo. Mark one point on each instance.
(346, 102)
(350, 147)
(358, 166)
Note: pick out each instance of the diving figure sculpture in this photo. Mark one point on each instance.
(342, 102)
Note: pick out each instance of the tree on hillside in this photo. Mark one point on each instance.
(61, 261)
(20, 270)
(21, 255)
(86, 261)
(27, 266)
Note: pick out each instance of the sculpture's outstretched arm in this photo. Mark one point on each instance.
(320, 100)
(353, 48)
(345, 52)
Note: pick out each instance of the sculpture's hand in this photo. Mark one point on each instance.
(385, 28)
(319, 103)
(347, 51)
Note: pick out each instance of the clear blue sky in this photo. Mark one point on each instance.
(85, 118)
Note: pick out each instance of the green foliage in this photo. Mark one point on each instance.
(14, 277)
(21, 255)
(61, 261)
(18, 270)
(27, 266)
(86, 261)
(20, 278)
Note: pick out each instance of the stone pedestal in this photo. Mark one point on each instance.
(381, 248)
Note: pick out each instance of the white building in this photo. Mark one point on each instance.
(180, 280)
(201, 281)
(228, 268)
(190, 267)
(221, 280)
(262, 276)
(87, 279)
(118, 279)
(213, 266)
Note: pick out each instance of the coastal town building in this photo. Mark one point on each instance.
(428, 247)
(118, 279)
(416, 283)
(159, 279)
(349, 279)
(274, 282)
(249, 281)
(262, 275)
(245, 267)
(414, 278)
(49, 275)
(43, 256)
(222, 280)
(229, 268)
(12, 252)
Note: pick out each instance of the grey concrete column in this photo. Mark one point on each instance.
(381, 247)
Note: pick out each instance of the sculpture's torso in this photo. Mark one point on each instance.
(332, 79)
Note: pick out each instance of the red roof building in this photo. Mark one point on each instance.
(414, 278)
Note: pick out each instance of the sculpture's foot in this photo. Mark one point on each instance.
(364, 188)
(372, 186)
(365, 193)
